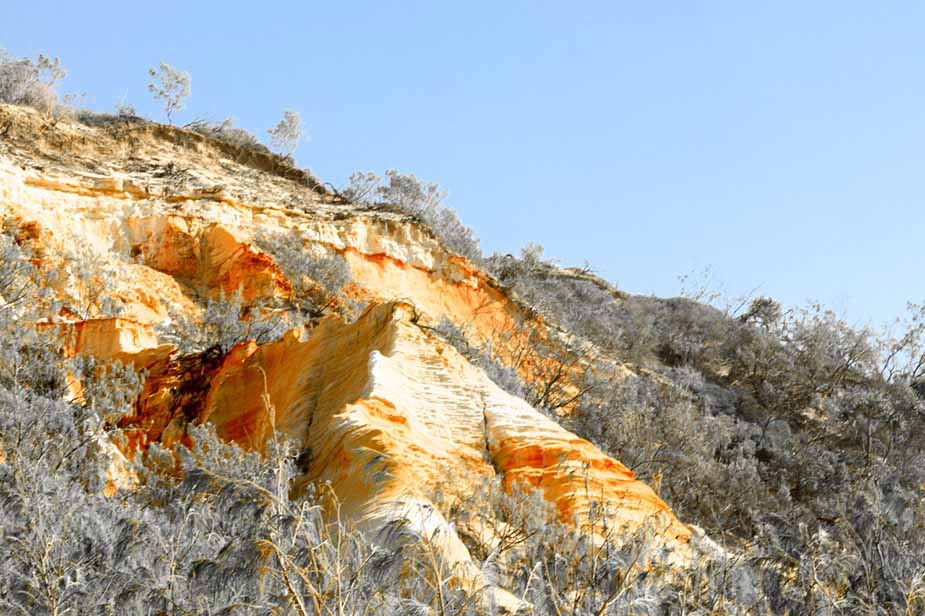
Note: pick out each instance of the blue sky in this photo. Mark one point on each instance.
(780, 144)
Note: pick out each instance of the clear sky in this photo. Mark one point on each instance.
(781, 144)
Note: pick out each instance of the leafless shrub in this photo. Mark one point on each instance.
(227, 132)
(504, 377)
(363, 187)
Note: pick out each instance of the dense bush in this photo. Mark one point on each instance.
(224, 322)
(421, 199)
(579, 302)
(317, 278)
(505, 377)
(796, 439)
(591, 567)
(221, 533)
(92, 282)
(317, 283)
(32, 83)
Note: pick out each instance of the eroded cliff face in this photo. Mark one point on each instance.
(150, 221)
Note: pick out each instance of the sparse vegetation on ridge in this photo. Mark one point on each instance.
(33, 83)
(227, 132)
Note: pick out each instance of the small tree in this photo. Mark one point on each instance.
(286, 135)
(170, 86)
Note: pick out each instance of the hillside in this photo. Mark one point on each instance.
(227, 387)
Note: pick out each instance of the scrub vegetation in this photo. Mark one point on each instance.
(794, 440)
